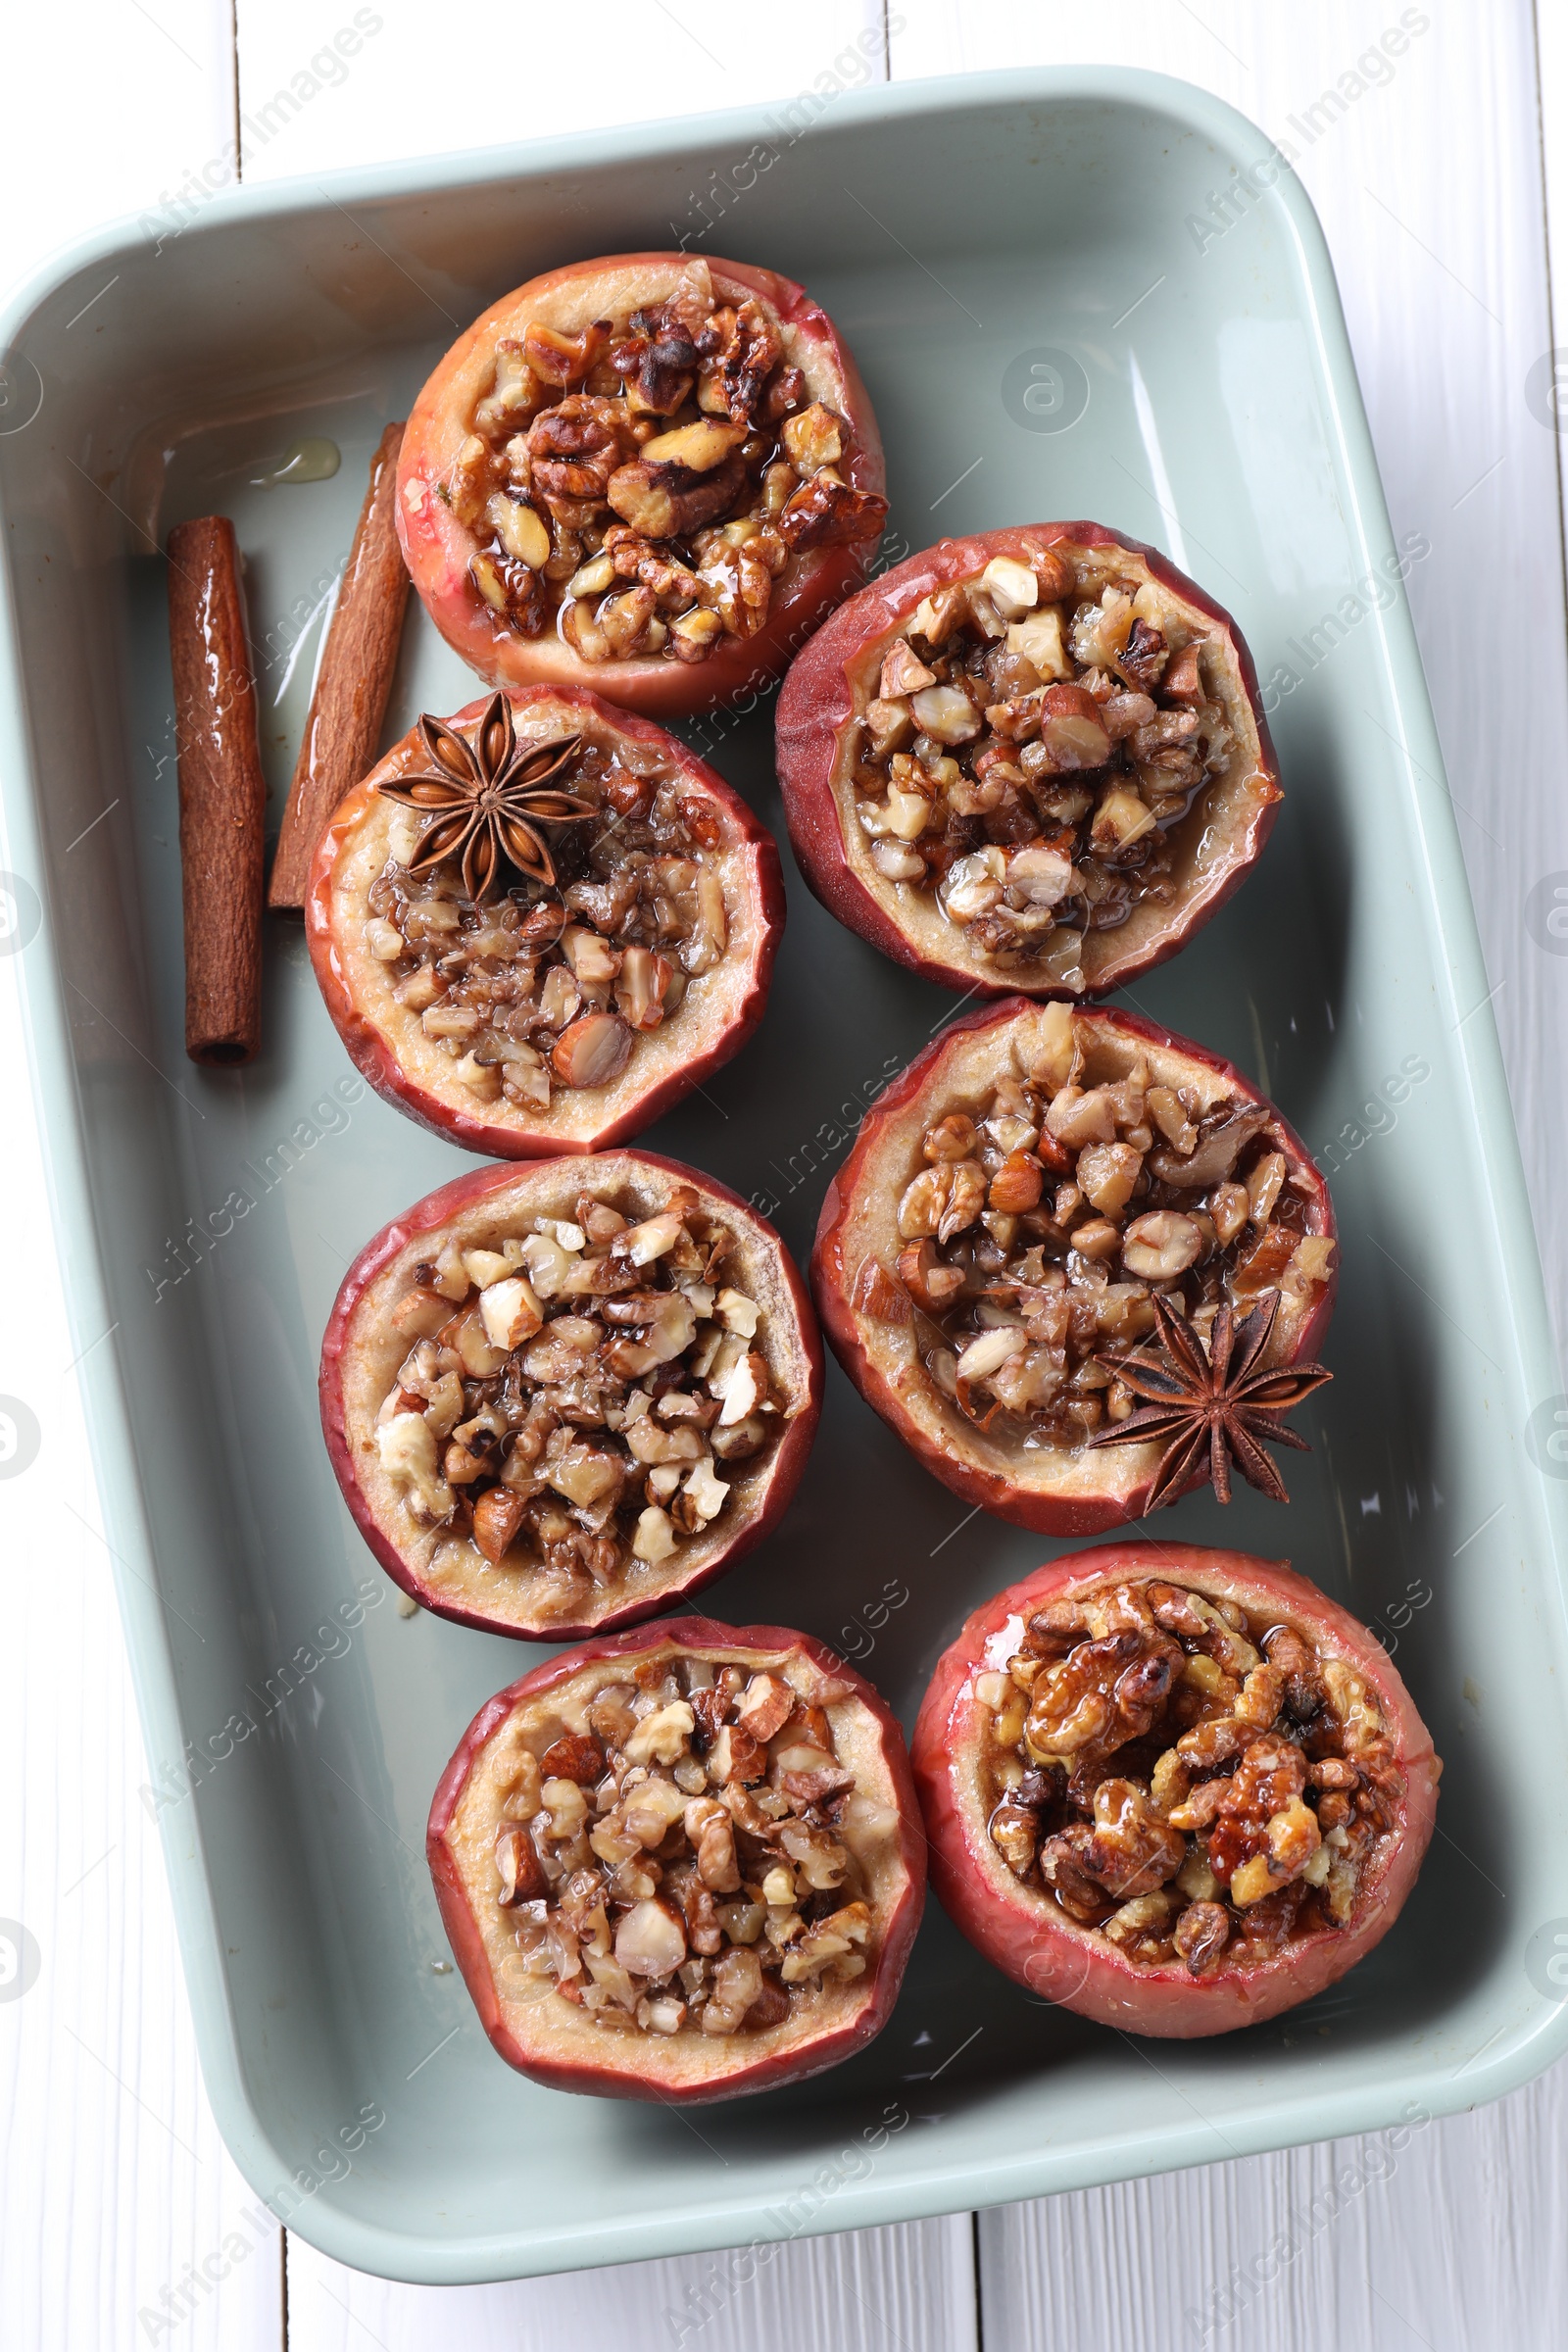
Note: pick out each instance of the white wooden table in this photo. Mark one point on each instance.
(1442, 177)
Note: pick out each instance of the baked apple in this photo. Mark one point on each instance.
(1055, 1217)
(558, 1398)
(651, 474)
(539, 924)
(681, 1864)
(1177, 1790)
(1034, 760)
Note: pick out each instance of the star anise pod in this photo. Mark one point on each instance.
(1212, 1401)
(489, 799)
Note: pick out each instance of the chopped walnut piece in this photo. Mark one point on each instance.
(765, 1707)
(1131, 1851)
(1062, 1870)
(1015, 1833)
(1200, 1936)
(827, 513)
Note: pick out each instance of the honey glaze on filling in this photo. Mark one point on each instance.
(1192, 1783)
(642, 486)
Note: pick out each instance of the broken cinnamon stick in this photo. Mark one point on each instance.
(349, 704)
(223, 792)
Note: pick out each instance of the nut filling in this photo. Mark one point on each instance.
(689, 1864)
(1046, 1218)
(1188, 1781)
(1028, 751)
(572, 1395)
(553, 983)
(641, 486)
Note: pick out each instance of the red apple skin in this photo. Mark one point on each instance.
(594, 2071)
(818, 699)
(1075, 1966)
(754, 857)
(436, 547)
(1046, 1512)
(784, 1469)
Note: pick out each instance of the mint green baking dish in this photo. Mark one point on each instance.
(1043, 335)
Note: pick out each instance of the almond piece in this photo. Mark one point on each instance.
(511, 1312)
(497, 1516)
(593, 1050)
(1071, 729)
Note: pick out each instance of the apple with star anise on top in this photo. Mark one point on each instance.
(1079, 1264)
(541, 923)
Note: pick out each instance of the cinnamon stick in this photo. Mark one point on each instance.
(349, 704)
(223, 792)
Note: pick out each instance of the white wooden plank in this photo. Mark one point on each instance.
(407, 88)
(151, 114)
(905, 2290)
(1450, 2237)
